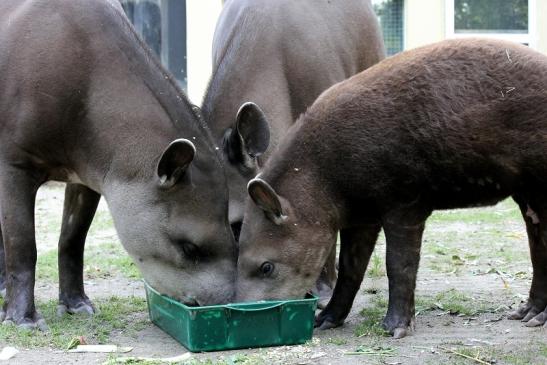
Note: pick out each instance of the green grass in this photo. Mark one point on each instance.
(238, 359)
(459, 241)
(339, 341)
(373, 314)
(100, 261)
(535, 354)
(127, 314)
(501, 213)
(376, 267)
(454, 302)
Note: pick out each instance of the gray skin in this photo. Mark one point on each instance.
(82, 100)
(272, 58)
(459, 123)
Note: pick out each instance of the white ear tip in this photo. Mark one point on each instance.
(257, 179)
(184, 141)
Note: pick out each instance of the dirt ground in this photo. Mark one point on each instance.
(475, 266)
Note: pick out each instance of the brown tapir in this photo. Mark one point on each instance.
(82, 100)
(455, 124)
(278, 56)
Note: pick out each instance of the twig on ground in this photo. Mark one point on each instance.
(476, 359)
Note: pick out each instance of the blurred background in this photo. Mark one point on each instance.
(181, 31)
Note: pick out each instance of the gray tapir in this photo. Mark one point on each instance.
(455, 124)
(82, 100)
(279, 55)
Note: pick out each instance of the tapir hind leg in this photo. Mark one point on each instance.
(403, 229)
(357, 245)
(534, 311)
(18, 189)
(79, 208)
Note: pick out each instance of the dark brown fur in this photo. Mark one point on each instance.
(456, 124)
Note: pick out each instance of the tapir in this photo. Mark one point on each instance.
(273, 58)
(84, 101)
(455, 124)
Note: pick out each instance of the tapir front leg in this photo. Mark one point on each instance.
(403, 244)
(17, 199)
(357, 245)
(79, 208)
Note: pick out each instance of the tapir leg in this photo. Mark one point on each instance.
(327, 280)
(357, 245)
(534, 311)
(17, 199)
(79, 208)
(403, 232)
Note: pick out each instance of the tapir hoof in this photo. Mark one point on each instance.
(532, 314)
(79, 308)
(398, 328)
(36, 323)
(324, 321)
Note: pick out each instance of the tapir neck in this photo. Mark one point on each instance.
(134, 110)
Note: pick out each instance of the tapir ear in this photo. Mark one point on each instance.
(175, 161)
(266, 199)
(253, 129)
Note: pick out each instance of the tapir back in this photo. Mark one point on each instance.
(463, 122)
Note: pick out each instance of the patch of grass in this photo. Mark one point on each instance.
(454, 302)
(501, 213)
(126, 315)
(339, 341)
(46, 266)
(534, 354)
(373, 315)
(239, 359)
(376, 266)
(100, 261)
(107, 259)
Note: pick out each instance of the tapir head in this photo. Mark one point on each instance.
(173, 222)
(284, 244)
(242, 145)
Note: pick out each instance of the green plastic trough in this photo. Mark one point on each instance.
(233, 326)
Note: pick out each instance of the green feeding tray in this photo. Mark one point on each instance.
(233, 326)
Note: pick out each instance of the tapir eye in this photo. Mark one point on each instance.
(267, 268)
(190, 250)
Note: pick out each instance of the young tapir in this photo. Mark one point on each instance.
(279, 55)
(455, 124)
(82, 100)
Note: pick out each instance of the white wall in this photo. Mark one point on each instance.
(424, 22)
(201, 18)
(541, 25)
